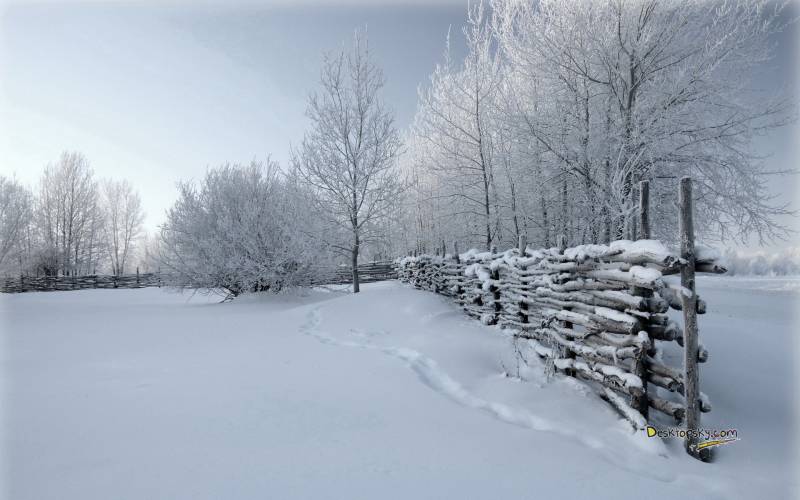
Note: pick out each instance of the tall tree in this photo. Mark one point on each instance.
(69, 216)
(124, 216)
(561, 108)
(349, 155)
(455, 121)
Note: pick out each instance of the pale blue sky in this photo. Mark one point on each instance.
(156, 93)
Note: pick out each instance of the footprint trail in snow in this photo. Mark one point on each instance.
(433, 376)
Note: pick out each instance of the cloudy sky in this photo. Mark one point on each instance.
(156, 92)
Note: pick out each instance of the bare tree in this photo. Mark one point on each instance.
(15, 217)
(561, 108)
(124, 216)
(455, 122)
(68, 216)
(349, 155)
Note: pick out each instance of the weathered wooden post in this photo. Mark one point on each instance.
(137, 276)
(495, 290)
(644, 210)
(689, 305)
(523, 306)
(459, 292)
(561, 241)
(639, 368)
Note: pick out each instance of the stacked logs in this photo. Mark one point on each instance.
(597, 312)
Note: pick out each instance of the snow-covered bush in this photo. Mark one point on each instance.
(239, 229)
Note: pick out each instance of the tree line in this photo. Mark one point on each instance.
(545, 128)
(559, 109)
(71, 224)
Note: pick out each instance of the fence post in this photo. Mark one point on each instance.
(640, 368)
(137, 276)
(523, 306)
(561, 241)
(644, 210)
(689, 305)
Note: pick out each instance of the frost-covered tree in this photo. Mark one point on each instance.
(455, 126)
(238, 229)
(660, 91)
(16, 205)
(123, 224)
(69, 217)
(348, 157)
(585, 99)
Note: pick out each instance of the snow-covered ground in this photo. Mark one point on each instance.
(392, 393)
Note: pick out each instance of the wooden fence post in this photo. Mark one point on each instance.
(640, 402)
(523, 306)
(644, 210)
(137, 276)
(495, 290)
(562, 246)
(689, 305)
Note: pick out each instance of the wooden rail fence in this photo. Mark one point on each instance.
(368, 272)
(21, 284)
(596, 312)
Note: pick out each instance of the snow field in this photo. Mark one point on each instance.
(391, 393)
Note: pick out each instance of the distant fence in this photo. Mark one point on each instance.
(21, 284)
(597, 312)
(368, 272)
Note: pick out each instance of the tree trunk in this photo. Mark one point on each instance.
(356, 244)
(545, 222)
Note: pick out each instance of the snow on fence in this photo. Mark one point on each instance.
(368, 272)
(596, 312)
